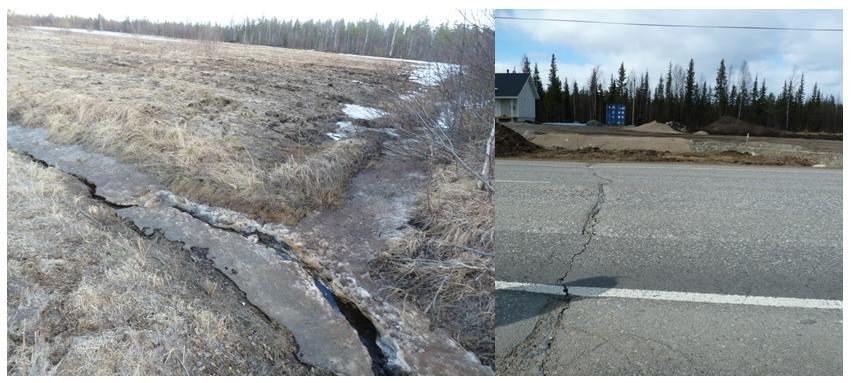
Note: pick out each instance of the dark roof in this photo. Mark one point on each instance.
(509, 84)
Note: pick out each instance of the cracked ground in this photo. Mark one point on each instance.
(678, 228)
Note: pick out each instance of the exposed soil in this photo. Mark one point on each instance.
(698, 147)
(97, 299)
(727, 125)
(725, 157)
(510, 143)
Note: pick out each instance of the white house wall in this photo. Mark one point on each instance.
(526, 108)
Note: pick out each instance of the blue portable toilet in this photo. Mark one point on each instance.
(615, 114)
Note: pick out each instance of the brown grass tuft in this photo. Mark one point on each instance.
(446, 268)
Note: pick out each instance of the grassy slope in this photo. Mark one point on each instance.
(214, 122)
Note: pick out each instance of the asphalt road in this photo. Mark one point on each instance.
(734, 230)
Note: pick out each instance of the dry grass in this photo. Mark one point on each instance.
(446, 266)
(209, 121)
(324, 178)
(87, 295)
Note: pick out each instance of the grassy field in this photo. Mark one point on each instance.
(233, 125)
(88, 296)
(245, 128)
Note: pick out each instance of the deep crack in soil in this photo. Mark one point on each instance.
(399, 350)
(355, 317)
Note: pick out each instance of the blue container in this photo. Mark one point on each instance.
(615, 114)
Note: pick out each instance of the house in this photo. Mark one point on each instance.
(515, 97)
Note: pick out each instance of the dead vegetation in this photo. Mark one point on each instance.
(213, 122)
(445, 265)
(88, 296)
(323, 178)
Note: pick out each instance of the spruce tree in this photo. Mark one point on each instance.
(722, 88)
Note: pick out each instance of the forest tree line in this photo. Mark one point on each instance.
(419, 41)
(680, 95)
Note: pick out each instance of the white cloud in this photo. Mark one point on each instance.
(772, 54)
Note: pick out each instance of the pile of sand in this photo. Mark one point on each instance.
(653, 127)
(509, 143)
(701, 133)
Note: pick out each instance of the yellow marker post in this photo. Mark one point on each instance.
(747, 138)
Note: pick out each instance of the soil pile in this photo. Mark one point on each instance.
(642, 155)
(653, 127)
(509, 143)
(728, 125)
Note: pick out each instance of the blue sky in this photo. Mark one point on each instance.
(770, 54)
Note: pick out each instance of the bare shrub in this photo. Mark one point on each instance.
(446, 267)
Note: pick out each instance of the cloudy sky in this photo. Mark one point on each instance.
(223, 12)
(770, 54)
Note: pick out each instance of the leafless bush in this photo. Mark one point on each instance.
(454, 118)
(446, 268)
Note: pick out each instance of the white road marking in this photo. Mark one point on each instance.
(671, 296)
(523, 182)
(726, 167)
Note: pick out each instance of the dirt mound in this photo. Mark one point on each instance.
(653, 127)
(644, 155)
(509, 143)
(728, 125)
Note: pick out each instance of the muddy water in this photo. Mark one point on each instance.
(381, 198)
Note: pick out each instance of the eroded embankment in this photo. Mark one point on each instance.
(358, 334)
(282, 289)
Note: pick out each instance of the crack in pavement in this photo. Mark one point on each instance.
(588, 226)
(537, 343)
(551, 339)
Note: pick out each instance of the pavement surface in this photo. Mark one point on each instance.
(732, 230)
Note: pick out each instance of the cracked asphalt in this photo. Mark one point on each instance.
(673, 227)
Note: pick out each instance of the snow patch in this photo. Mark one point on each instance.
(362, 112)
(565, 123)
(409, 96)
(106, 33)
(344, 129)
(391, 132)
(431, 74)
